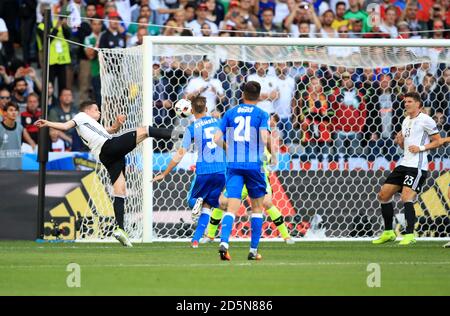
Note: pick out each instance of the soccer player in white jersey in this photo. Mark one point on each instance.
(109, 150)
(419, 135)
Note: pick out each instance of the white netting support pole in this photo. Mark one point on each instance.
(147, 159)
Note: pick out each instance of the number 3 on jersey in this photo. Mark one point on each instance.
(242, 131)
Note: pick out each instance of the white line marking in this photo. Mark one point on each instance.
(221, 264)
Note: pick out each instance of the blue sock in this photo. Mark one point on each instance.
(256, 225)
(227, 227)
(202, 224)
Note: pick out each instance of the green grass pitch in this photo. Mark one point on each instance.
(306, 268)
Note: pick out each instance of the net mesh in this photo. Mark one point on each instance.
(339, 109)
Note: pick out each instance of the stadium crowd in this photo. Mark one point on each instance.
(322, 111)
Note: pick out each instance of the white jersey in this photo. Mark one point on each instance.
(268, 84)
(417, 132)
(93, 134)
(283, 105)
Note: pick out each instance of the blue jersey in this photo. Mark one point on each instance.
(242, 128)
(211, 158)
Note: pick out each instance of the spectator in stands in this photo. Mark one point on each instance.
(196, 25)
(52, 100)
(189, 12)
(429, 92)
(231, 76)
(92, 41)
(31, 115)
(356, 13)
(65, 111)
(138, 39)
(356, 27)
(136, 9)
(314, 113)
(304, 13)
(389, 22)
(84, 73)
(286, 87)
(269, 91)
(409, 15)
(142, 22)
(112, 37)
(390, 113)
(282, 10)
(11, 134)
(206, 86)
(247, 10)
(29, 74)
(162, 11)
(327, 31)
(350, 116)
(339, 17)
(5, 80)
(59, 51)
(57, 144)
(437, 13)
(444, 88)
(216, 11)
(206, 29)
(27, 14)
(268, 28)
(19, 93)
(5, 97)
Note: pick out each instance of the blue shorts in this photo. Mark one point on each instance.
(207, 186)
(254, 180)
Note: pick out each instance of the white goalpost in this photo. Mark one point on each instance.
(326, 181)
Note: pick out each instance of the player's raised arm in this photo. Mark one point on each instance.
(172, 164)
(56, 125)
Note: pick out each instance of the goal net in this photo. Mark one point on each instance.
(338, 106)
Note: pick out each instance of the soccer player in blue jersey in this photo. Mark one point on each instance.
(244, 133)
(209, 180)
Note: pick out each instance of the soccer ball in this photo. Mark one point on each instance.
(183, 108)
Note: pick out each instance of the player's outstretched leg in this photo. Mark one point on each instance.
(201, 226)
(387, 210)
(119, 211)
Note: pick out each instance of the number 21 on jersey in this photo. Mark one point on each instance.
(242, 131)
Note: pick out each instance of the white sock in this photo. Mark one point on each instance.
(206, 211)
(254, 251)
(224, 244)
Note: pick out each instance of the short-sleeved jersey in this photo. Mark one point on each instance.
(417, 131)
(211, 158)
(93, 134)
(242, 128)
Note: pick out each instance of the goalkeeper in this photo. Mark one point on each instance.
(271, 210)
(109, 150)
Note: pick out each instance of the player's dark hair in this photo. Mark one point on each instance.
(415, 96)
(11, 104)
(86, 104)
(198, 104)
(252, 89)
